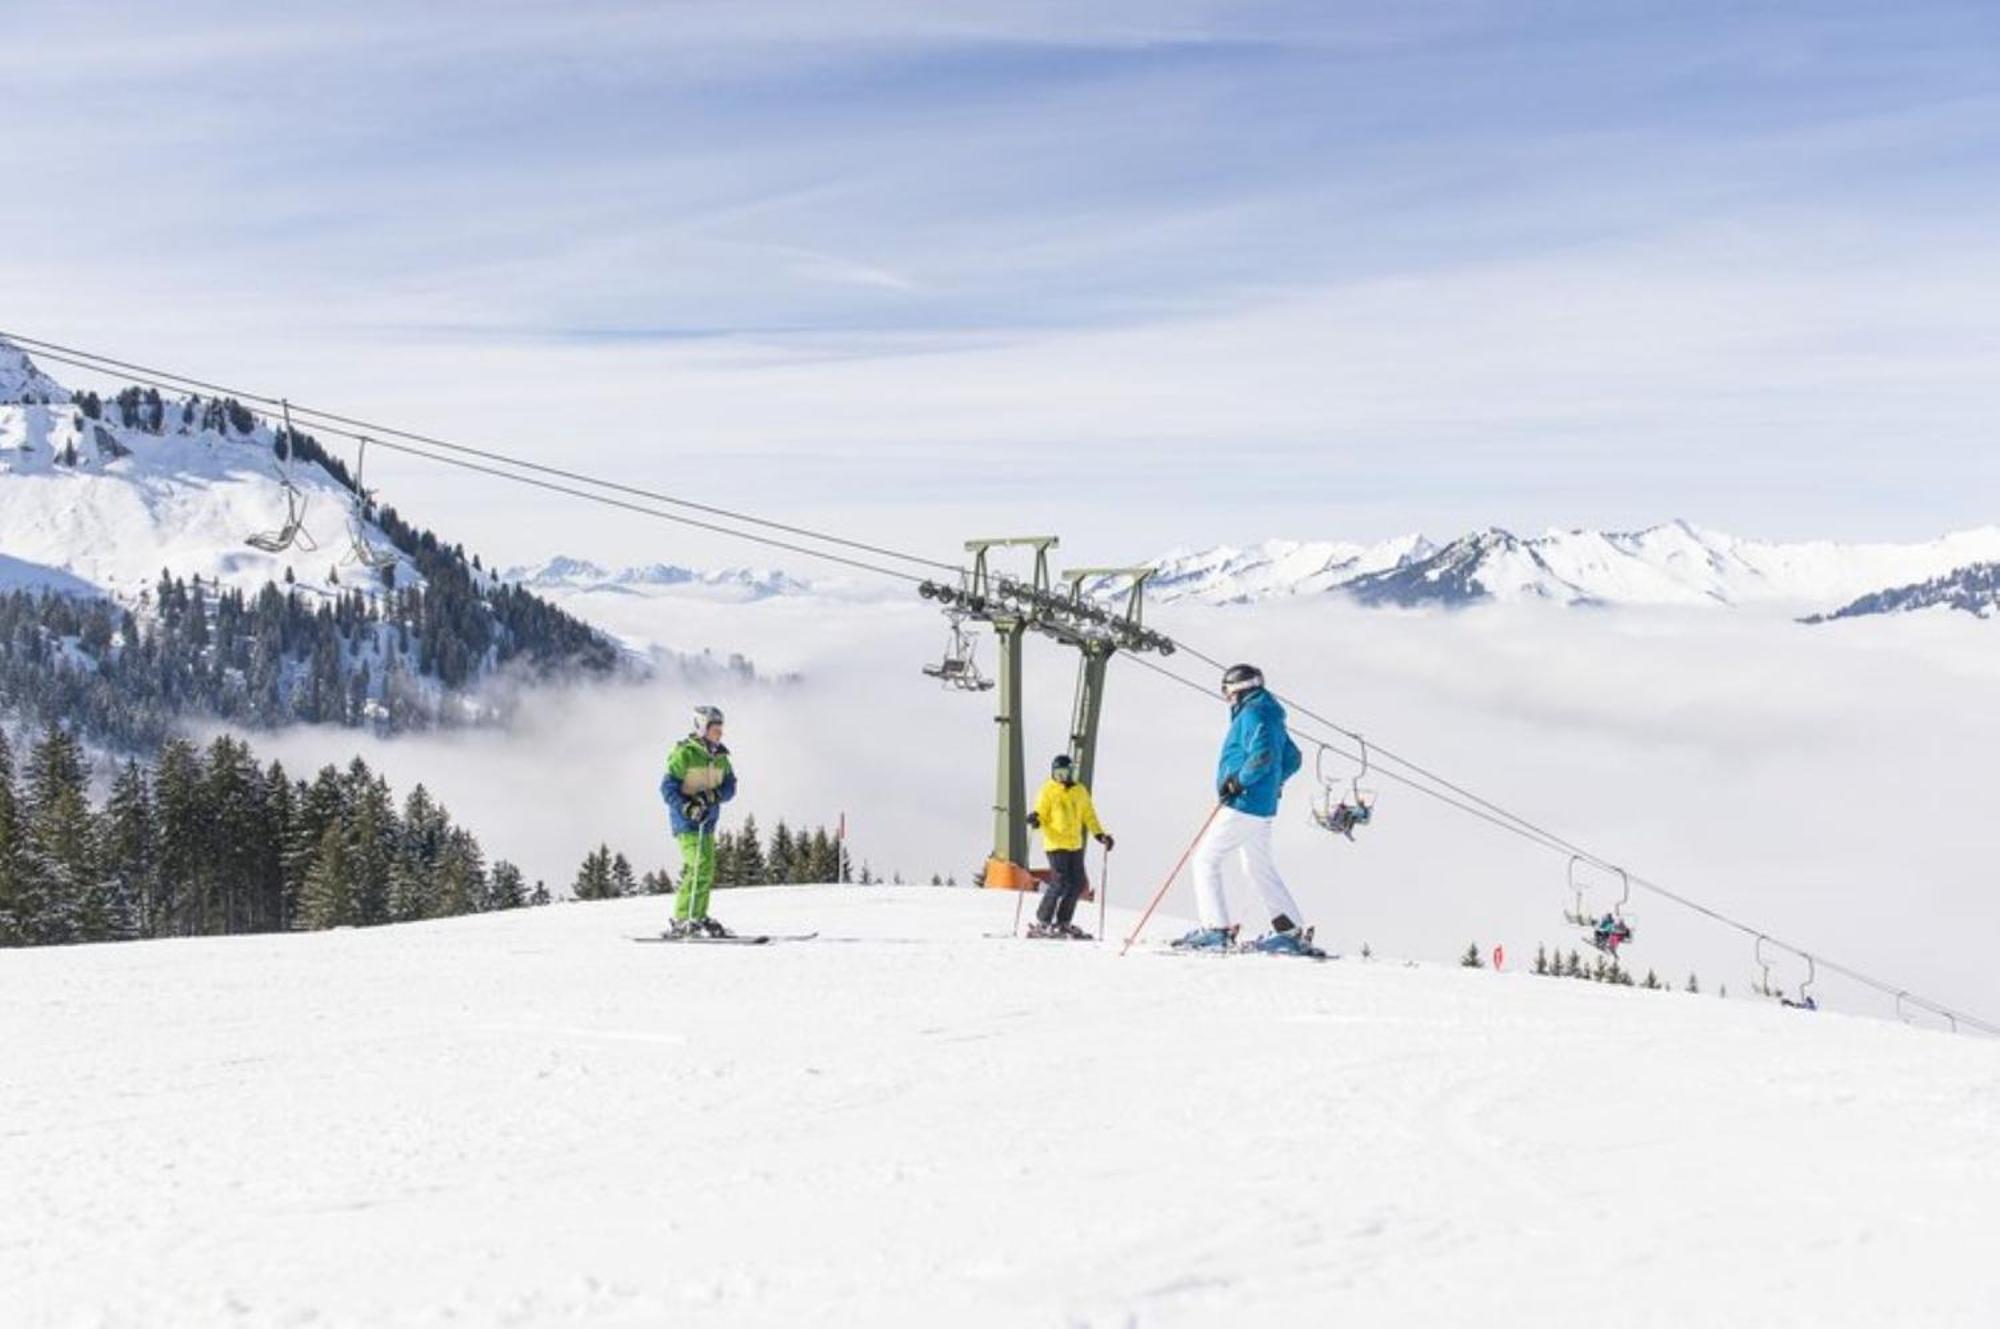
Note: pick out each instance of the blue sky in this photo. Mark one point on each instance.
(1151, 274)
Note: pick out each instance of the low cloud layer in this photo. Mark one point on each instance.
(1826, 785)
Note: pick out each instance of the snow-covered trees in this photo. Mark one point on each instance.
(209, 842)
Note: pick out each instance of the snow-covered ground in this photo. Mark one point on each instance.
(526, 1119)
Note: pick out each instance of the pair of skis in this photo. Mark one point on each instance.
(754, 939)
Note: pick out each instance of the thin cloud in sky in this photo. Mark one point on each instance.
(1378, 239)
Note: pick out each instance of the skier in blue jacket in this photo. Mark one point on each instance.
(1258, 756)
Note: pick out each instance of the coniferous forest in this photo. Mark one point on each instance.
(208, 842)
(372, 652)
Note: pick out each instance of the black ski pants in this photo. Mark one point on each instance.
(1064, 886)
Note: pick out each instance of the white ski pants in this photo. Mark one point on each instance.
(1250, 837)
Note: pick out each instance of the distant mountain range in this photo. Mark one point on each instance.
(577, 575)
(1672, 564)
(1973, 590)
(1675, 564)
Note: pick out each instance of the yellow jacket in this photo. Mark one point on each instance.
(1066, 812)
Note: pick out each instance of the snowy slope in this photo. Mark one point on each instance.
(1672, 564)
(96, 502)
(525, 1119)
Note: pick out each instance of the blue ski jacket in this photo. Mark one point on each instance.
(1258, 752)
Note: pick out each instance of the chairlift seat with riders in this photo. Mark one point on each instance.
(1606, 931)
(1338, 811)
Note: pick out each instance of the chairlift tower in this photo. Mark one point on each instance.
(1014, 608)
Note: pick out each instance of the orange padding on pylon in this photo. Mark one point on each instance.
(1002, 875)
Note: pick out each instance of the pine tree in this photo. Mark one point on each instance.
(726, 873)
(1541, 959)
(506, 890)
(540, 895)
(1472, 958)
(1652, 983)
(593, 878)
(779, 864)
(1693, 984)
(622, 881)
(59, 869)
(656, 883)
(822, 858)
(328, 900)
(13, 930)
(181, 852)
(127, 835)
(461, 877)
(749, 857)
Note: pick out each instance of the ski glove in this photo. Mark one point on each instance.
(695, 810)
(1034, 821)
(1104, 839)
(1231, 790)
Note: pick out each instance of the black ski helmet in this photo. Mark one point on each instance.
(1062, 768)
(1241, 678)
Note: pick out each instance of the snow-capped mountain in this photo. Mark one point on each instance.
(569, 575)
(108, 493)
(1275, 568)
(1672, 564)
(1973, 590)
(203, 564)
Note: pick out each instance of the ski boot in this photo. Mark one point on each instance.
(680, 929)
(708, 927)
(1071, 932)
(1292, 941)
(1040, 931)
(1207, 939)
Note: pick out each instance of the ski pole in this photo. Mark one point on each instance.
(1161, 894)
(1104, 892)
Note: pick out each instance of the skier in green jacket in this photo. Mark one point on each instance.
(699, 780)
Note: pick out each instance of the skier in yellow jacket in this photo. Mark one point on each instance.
(1063, 814)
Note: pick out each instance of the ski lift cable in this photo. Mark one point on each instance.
(175, 383)
(1525, 830)
(326, 419)
(1419, 778)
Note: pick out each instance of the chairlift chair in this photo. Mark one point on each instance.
(1608, 931)
(1805, 1001)
(958, 669)
(364, 552)
(1762, 987)
(1342, 813)
(293, 532)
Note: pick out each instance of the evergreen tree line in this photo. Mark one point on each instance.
(1600, 969)
(209, 842)
(742, 858)
(124, 678)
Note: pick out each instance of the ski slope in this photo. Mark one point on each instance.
(525, 1119)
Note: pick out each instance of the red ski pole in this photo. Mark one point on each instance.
(1161, 894)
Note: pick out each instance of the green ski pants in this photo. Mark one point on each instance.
(697, 874)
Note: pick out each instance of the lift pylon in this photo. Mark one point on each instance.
(1013, 608)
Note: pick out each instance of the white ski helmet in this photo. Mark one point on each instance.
(1241, 678)
(704, 716)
